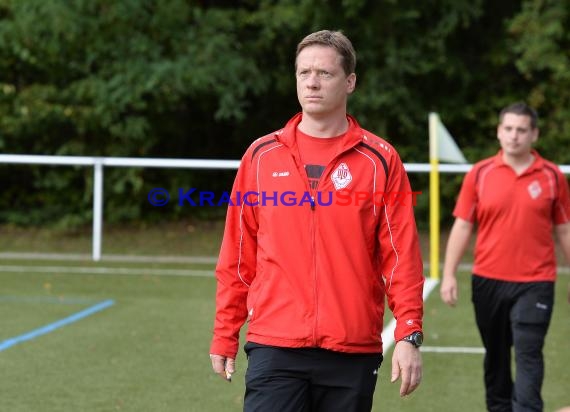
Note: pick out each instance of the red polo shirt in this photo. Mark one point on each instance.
(515, 217)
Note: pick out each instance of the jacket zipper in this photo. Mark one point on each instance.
(314, 254)
(305, 179)
(313, 237)
(314, 246)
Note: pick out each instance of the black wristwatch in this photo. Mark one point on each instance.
(416, 339)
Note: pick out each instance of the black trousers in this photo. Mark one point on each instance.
(308, 379)
(511, 314)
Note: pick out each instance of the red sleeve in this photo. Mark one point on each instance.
(466, 206)
(561, 210)
(402, 266)
(236, 264)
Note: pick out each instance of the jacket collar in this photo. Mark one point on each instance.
(354, 134)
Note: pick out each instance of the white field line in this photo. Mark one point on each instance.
(452, 349)
(105, 271)
(162, 259)
(108, 258)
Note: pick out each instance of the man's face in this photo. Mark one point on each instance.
(516, 134)
(322, 85)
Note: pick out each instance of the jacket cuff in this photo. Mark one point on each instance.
(224, 347)
(406, 328)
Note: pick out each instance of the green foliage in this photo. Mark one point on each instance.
(541, 46)
(172, 78)
(98, 78)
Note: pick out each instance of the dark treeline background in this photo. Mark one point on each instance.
(202, 79)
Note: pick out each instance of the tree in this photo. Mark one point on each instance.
(541, 47)
(202, 79)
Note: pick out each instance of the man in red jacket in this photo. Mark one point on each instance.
(319, 230)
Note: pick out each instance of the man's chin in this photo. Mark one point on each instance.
(311, 111)
(518, 152)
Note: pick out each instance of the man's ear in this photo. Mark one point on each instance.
(536, 133)
(350, 83)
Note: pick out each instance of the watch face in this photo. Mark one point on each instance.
(418, 338)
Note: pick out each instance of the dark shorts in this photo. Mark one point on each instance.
(309, 379)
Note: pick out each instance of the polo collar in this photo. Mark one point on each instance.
(537, 164)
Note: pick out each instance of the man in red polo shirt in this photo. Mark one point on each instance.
(517, 198)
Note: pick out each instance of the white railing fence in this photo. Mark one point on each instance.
(98, 163)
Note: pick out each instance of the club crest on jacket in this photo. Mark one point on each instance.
(341, 176)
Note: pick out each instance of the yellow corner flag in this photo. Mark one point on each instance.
(441, 147)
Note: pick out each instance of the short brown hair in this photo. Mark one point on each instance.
(522, 109)
(335, 39)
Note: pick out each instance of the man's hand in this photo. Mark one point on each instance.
(223, 366)
(406, 364)
(448, 290)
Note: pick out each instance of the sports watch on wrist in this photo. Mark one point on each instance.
(416, 339)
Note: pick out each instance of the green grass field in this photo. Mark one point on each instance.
(148, 350)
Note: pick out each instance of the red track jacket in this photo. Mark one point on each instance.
(311, 267)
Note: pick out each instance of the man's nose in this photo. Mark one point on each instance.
(313, 81)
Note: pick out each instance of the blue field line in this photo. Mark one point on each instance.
(8, 343)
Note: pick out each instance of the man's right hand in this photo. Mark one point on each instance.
(223, 366)
(448, 290)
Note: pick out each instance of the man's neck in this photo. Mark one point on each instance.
(323, 127)
(519, 163)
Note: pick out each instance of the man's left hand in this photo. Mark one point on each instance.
(407, 365)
